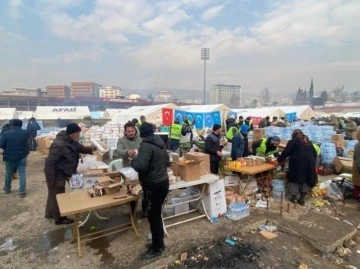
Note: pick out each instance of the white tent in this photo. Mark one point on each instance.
(110, 113)
(152, 114)
(302, 112)
(260, 112)
(208, 108)
(25, 115)
(352, 114)
(8, 113)
(62, 112)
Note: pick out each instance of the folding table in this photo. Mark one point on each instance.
(75, 203)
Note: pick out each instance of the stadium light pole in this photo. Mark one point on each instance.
(205, 55)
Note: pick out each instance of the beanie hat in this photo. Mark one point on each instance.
(216, 127)
(244, 128)
(72, 128)
(275, 139)
(146, 129)
(16, 123)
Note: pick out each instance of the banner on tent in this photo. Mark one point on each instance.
(167, 116)
(199, 120)
(216, 117)
(179, 115)
(290, 116)
(232, 114)
(208, 120)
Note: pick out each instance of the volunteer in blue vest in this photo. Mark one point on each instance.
(213, 147)
(266, 146)
(175, 135)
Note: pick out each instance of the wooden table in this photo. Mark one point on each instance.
(200, 184)
(75, 203)
(263, 169)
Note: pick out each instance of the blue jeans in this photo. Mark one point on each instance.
(11, 167)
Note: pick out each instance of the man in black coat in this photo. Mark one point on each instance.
(32, 128)
(15, 143)
(60, 165)
(151, 164)
(214, 148)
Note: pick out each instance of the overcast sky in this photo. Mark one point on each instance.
(143, 44)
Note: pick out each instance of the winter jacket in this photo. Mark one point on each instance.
(301, 162)
(237, 147)
(32, 128)
(212, 146)
(152, 161)
(124, 144)
(15, 143)
(63, 158)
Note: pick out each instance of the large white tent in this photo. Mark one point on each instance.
(24, 115)
(223, 109)
(152, 114)
(8, 113)
(110, 113)
(62, 112)
(260, 112)
(302, 112)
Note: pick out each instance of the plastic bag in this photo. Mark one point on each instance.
(76, 181)
(335, 193)
(129, 173)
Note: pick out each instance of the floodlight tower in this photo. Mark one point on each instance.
(205, 55)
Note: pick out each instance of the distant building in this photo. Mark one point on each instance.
(163, 96)
(134, 96)
(85, 89)
(229, 95)
(24, 92)
(112, 92)
(60, 91)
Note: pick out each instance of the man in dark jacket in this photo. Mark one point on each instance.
(213, 148)
(32, 128)
(151, 163)
(60, 165)
(15, 143)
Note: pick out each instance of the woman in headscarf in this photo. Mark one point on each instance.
(302, 175)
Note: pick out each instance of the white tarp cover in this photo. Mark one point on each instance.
(152, 114)
(8, 113)
(25, 115)
(352, 114)
(62, 112)
(110, 113)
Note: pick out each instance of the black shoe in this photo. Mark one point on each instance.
(22, 195)
(152, 253)
(48, 216)
(64, 221)
(149, 246)
(301, 202)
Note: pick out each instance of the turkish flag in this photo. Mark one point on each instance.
(256, 121)
(167, 116)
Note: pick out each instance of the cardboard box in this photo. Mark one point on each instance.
(343, 165)
(231, 181)
(47, 142)
(94, 172)
(101, 157)
(354, 135)
(40, 144)
(200, 157)
(338, 140)
(110, 185)
(190, 171)
(214, 199)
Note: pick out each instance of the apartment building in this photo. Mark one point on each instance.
(85, 89)
(60, 91)
(229, 95)
(112, 92)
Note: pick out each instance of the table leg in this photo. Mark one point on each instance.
(77, 233)
(132, 207)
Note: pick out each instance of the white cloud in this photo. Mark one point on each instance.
(14, 6)
(212, 12)
(87, 55)
(8, 37)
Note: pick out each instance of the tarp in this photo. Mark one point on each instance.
(152, 114)
(352, 114)
(97, 115)
(260, 112)
(62, 112)
(8, 113)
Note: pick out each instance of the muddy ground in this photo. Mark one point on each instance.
(38, 243)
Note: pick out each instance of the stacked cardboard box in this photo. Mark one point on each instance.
(343, 165)
(338, 140)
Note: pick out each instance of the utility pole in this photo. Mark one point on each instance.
(205, 55)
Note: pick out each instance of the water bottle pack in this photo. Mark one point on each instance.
(238, 211)
(278, 186)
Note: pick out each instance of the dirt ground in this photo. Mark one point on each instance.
(35, 242)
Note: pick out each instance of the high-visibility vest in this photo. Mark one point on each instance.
(260, 151)
(175, 131)
(230, 134)
(317, 149)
